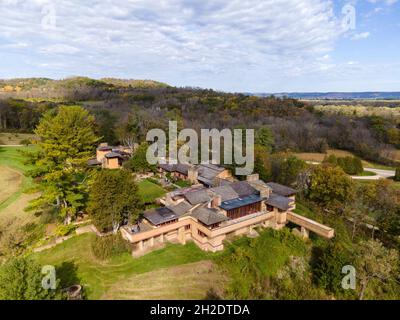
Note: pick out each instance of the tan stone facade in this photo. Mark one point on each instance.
(209, 216)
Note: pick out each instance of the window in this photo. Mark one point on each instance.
(244, 211)
(187, 227)
(201, 234)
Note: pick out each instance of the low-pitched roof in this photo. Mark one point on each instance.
(243, 188)
(197, 197)
(182, 168)
(105, 148)
(113, 155)
(93, 162)
(181, 208)
(226, 192)
(208, 216)
(281, 189)
(160, 215)
(167, 167)
(209, 171)
(279, 201)
(240, 202)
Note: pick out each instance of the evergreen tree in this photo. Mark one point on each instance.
(113, 199)
(67, 141)
(21, 279)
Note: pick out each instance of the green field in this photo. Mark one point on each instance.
(12, 158)
(175, 271)
(366, 173)
(150, 191)
(76, 262)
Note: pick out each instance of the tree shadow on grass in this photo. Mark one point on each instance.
(67, 273)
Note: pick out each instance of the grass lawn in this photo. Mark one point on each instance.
(174, 272)
(14, 138)
(183, 183)
(12, 160)
(366, 173)
(150, 191)
(75, 262)
(319, 157)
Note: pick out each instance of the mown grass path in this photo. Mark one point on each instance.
(12, 160)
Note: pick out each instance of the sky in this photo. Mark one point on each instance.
(228, 45)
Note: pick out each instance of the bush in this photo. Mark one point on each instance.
(397, 176)
(350, 165)
(105, 247)
(64, 230)
(25, 142)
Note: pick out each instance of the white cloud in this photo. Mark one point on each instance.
(217, 43)
(387, 2)
(360, 36)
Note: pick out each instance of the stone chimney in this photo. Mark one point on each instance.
(253, 177)
(216, 201)
(193, 174)
(168, 200)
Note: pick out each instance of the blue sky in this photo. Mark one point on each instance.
(229, 45)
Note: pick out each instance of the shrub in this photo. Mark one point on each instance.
(64, 230)
(25, 142)
(397, 176)
(105, 247)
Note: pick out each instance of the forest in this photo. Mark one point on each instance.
(70, 117)
(128, 106)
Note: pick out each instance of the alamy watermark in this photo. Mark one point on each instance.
(49, 281)
(349, 280)
(193, 150)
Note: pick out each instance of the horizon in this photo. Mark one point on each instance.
(269, 46)
(203, 88)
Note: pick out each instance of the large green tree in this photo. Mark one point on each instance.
(138, 162)
(21, 279)
(330, 186)
(265, 137)
(67, 141)
(113, 199)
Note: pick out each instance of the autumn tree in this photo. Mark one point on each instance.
(329, 186)
(113, 199)
(66, 141)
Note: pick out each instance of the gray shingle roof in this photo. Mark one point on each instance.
(160, 215)
(279, 202)
(197, 197)
(208, 216)
(226, 192)
(281, 189)
(243, 188)
(93, 162)
(105, 148)
(181, 208)
(209, 171)
(113, 155)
